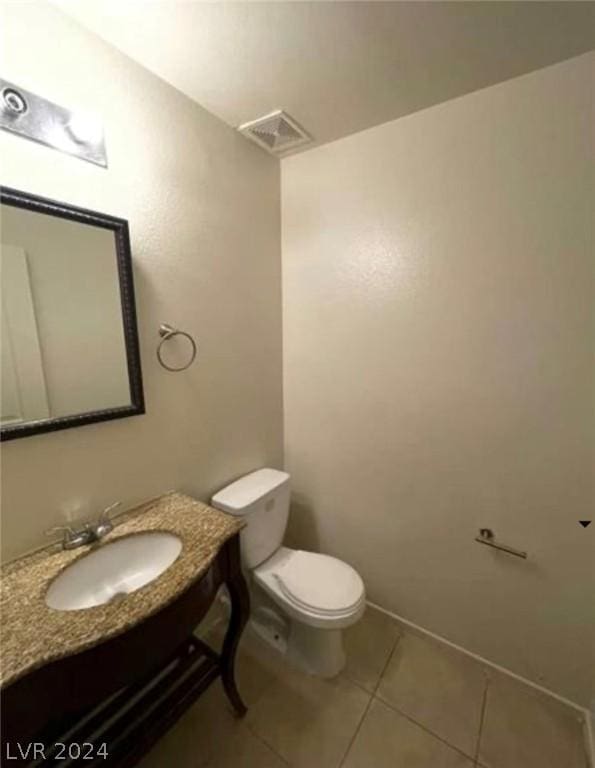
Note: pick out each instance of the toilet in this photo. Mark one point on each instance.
(301, 601)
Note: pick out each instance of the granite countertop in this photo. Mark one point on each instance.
(32, 634)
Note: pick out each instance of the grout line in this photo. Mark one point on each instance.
(481, 659)
(357, 730)
(422, 726)
(268, 746)
(371, 699)
(262, 740)
(371, 691)
(589, 734)
(388, 661)
(484, 705)
(375, 695)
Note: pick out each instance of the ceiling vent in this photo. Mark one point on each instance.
(277, 133)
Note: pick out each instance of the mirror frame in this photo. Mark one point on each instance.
(119, 227)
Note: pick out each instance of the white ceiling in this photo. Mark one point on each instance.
(336, 67)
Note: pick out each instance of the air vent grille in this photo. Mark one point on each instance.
(277, 132)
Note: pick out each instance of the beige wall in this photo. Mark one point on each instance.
(438, 366)
(438, 291)
(203, 208)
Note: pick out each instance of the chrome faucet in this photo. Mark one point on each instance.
(89, 533)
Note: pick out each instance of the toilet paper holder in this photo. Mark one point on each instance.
(488, 537)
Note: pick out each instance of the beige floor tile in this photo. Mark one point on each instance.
(524, 728)
(387, 739)
(212, 634)
(246, 751)
(218, 614)
(368, 645)
(256, 665)
(308, 721)
(438, 687)
(257, 668)
(197, 737)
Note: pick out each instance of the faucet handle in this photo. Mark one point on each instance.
(105, 514)
(59, 529)
(103, 525)
(68, 530)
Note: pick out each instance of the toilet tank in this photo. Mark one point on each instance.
(262, 498)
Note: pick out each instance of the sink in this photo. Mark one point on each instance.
(113, 570)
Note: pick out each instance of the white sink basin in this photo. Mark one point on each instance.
(113, 570)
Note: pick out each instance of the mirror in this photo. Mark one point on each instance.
(69, 347)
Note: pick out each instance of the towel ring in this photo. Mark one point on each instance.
(167, 332)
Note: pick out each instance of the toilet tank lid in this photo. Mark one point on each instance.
(239, 496)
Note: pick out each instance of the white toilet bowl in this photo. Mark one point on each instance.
(321, 596)
(316, 596)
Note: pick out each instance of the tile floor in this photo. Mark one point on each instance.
(403, 701)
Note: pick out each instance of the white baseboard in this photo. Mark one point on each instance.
(588, 718)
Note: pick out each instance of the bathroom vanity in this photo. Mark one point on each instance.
(107, 681)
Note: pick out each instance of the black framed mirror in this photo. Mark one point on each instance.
(70, 351)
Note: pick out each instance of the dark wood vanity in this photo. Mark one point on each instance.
(126, 692)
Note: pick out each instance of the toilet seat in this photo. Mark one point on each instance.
(320, 583)
(317, 589)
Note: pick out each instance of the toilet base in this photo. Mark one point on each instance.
(317, 651)
(271, 628)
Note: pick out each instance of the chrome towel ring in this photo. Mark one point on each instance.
(167, 332)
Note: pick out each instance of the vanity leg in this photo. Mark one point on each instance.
(240, 611)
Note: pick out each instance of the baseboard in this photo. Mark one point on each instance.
(587, 716)
(220, 615)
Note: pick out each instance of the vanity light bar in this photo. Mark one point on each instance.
(33, 117)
